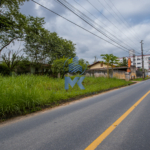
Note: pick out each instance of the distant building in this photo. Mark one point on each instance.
(137, 61)
(99, 69)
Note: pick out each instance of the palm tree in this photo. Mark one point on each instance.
(107, 58)
(113, 60)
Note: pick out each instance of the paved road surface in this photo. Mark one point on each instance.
(77, 125)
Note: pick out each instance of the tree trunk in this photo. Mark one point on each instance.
(112, 70)
(59, 75)
(107, 71)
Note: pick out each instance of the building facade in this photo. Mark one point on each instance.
(99, 69)
(137, 61)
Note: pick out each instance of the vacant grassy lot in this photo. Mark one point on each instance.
(24, 94)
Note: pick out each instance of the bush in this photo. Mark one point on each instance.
(4, 70)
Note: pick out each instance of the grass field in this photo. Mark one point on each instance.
(141, 79)
(28, 93)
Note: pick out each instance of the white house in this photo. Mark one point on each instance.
(137, 61)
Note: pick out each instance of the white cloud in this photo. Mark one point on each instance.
(135, 12)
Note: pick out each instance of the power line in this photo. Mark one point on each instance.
(121, 15)
(107, 19)
(124, 23)
(147, 51)
(78, 25)
(88, 22)
(100, 25)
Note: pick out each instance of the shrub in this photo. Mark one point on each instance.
(4, 70)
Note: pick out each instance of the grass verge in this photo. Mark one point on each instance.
(141, 79)
(28, 93)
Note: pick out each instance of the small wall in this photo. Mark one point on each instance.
(119, 74)
(97, 73)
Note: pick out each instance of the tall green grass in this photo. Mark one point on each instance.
(141, 79)
(28, 93)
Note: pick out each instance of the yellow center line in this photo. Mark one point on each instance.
(97, 141)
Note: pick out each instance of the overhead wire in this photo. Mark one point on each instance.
(124, 23)
(118, 17)
(108, 19)
(79, 26)
(88, 22)
(121, 16)
(101, 26)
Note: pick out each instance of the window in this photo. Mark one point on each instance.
(149, 58)
(138, 58)
(138, 63)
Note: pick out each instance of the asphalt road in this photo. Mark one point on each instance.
(77, 125)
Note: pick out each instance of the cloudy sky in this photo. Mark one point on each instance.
(126, 22)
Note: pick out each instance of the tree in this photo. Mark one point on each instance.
(113, 60)
(107, 58)
(61, 66)
(58, 47)
(123, 63)
(47, 46)
(18, 27)
(83, 63)
(11, 4)
(4, 70)
(12, 60)
(14, 25)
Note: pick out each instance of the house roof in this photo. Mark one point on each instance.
(97, 63)
(94, 63)
(115, 68)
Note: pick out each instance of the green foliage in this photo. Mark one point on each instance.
(12, 61)
(47, 46)
(11, 4)
(83, 63)
(23, 66)
(110, 60)
(107, 58)
(141, 79)
(14, 25)
(4, 70)
(23, 94)
(113, 60)
(59, 67)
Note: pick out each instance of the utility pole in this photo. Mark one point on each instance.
(142, 59)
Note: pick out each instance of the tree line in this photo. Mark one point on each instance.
(111, 60)
(40, 45)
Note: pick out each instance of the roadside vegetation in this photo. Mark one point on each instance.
(28, 93)
(141, 79)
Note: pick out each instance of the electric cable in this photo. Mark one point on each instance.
(108, 19)
(79, 26)
(100, 25)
